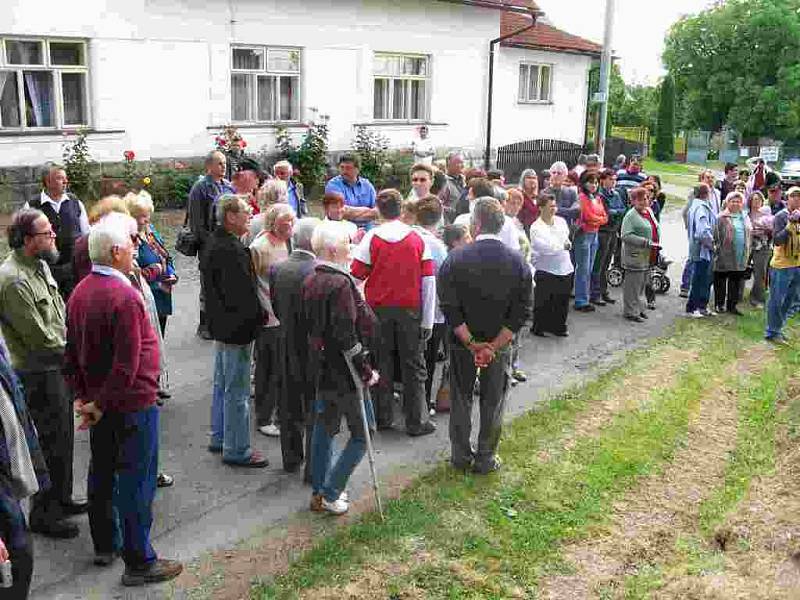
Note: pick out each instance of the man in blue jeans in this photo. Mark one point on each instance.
(701, 222)
(784, 273)
(112, 364)
(342, 327)
(234, 317)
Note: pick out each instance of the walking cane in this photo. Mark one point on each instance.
(362, 391)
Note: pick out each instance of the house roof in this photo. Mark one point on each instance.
(518, 5)
(543, 36)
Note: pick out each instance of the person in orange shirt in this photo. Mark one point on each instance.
(592, 216)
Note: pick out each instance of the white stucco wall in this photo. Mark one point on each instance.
(160, 79)
(564, 118)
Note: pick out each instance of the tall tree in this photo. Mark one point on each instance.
(665, 128)
(737, 64)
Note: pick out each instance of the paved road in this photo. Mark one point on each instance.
(212, 506)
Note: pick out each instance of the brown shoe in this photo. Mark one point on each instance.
(316, 503)
(157, 571)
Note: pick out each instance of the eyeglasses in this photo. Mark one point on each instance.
(50, 233)
(419, 179)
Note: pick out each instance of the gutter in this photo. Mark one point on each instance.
(487, 154)
(521, 10)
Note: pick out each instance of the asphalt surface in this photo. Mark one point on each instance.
(212, 506)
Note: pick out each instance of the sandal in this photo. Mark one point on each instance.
(256, 461)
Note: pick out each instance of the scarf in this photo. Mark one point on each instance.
(23, 476)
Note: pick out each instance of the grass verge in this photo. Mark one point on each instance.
(454, 535)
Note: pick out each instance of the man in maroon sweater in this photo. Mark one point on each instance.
(112, 365)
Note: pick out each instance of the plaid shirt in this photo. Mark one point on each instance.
(9, 504)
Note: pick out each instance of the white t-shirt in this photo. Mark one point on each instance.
(509, 234)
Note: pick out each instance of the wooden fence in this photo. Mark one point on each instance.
(535, 154)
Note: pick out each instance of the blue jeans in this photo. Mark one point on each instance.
(329, 477)
(784, 288)
(700, 291)
(585, 246)
(686, 276)
(122, 483)
(230, 404)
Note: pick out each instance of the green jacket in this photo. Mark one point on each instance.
(32, 314)
(637, 239)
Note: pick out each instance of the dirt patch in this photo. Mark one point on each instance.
(628, 394)
(228, 574)
(762, 558)
(647, 521)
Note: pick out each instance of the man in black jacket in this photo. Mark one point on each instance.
(234, 317)
(286, 291)
(485, 295)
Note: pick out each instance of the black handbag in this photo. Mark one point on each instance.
(186, 242)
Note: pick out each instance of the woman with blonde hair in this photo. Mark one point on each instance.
(153, 258)
(732, 235)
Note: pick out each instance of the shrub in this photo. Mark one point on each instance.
(310, 158)
(78, 166)
(371, 147)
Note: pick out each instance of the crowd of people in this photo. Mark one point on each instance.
(319, 320)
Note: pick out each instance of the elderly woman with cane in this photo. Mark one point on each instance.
(342, 327)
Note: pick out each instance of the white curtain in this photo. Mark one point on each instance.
(36, 101)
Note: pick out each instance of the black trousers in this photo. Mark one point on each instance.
(400, 338)
(551, 302)
(431, 353)
(494, 381)
(18, 540)
(727, 288)
(50, 405)
(296, 418)
(269, 357)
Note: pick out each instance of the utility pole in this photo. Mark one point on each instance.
(605, 80)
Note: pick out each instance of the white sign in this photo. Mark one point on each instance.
(744, 151)
(599, 97)
(769, 153)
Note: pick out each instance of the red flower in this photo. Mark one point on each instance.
(129, 155)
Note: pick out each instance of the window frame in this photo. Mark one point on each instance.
(538, 65)
(426, 79)
(277, 75)
(56, 72)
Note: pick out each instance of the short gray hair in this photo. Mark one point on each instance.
(452, 154)
(211, 155)
(282, 164)
(304, 231)
(275, 212)
(559, 167)
(227, 203)
(488, 215)
(329, 235)
(113, 231)
(274, 191)
(44, 172)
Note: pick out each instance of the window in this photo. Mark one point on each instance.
(265, 84)
(43, 83)
(535, 83)
(400, 87)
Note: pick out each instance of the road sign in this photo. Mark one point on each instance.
(769, 153)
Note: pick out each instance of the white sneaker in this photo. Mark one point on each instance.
(696, 314)
(339, 507)
(344, 496)
(432, 412)
(270, 430)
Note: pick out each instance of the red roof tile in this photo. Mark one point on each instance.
(543, 36)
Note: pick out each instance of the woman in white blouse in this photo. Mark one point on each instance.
(550, 247)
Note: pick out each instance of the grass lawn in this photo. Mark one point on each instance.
(636, 483)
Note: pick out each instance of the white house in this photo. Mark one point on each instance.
(161, 77)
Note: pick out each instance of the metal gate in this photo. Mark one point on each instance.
(535, 154)
(697, 145)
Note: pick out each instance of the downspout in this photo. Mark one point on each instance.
(487, 155)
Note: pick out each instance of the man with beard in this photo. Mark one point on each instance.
(32, 317)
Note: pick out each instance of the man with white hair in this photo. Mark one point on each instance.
(342, 328)
(286, 286)
(112, 365)
(270, 247)
(32, 316)
(455, 185)
(234, 318)
(283, 170)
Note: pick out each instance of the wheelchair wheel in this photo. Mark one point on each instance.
(665, 284)
(614, 276)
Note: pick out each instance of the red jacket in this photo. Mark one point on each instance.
(593, 213)
(112, 351)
